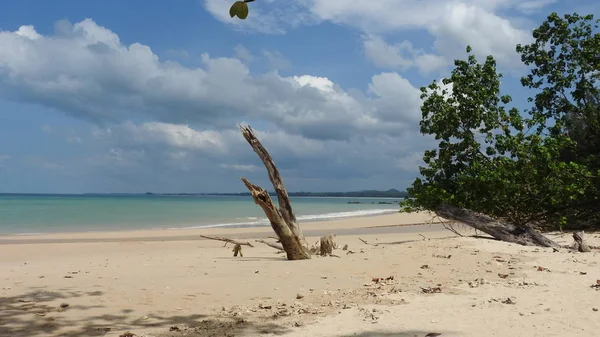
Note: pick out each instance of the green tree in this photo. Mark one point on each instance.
(535, 166)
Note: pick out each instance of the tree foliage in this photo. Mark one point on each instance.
(540, 165)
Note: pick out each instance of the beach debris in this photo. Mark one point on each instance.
(326, 245)
(425, 266)
(442, 256)
(582, 273)
(270, 244)
(508, 300)
(370, 314)
(127, 334)
(64, 305)
(174, 328)
(431, 290)
(596, 286)
(594, 309)
(237, 249)
(540, 268)
(363, 241)
(281, 217)
(67, 276)
(256, 271)
(433, 334)
(345, 247)
(502, 275)
(299, 296)
(579, 244)
(477, 282)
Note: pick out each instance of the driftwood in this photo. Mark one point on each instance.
(579, 245)
(504, 231)
(282, 218)
(237, 249)
(270, 244)
(227, 240)
(326, 245)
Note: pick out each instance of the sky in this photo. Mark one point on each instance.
(136, 96)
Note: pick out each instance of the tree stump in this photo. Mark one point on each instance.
(326, 245)
(580, 245)
(237, 249)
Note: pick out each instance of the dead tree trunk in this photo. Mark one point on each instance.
(282, 218)
(580, 245)
(326, 246)
(523, 235)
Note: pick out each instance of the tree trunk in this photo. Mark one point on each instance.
(282, 219)
(580, 245)
(523, 235)
(326, 245)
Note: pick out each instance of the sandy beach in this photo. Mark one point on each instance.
(407, 280)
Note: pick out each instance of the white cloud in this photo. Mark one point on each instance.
(276, 61)
(453, 24)
(243, 54)
(400, 56)
(87, 72)
(158, 123)
(533, 6)
(487, 33)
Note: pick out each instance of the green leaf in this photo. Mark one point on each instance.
(239, 9)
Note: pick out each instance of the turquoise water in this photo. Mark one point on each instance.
(33, 214)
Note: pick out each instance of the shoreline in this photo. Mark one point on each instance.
(357, 224)
(251, 222)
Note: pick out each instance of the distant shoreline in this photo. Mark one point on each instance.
(356, 194)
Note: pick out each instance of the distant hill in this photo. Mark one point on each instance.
(392, 193)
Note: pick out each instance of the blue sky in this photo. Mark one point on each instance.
(135, 96)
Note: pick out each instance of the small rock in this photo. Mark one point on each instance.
(64, 305)
(594, 309)
(299, 296)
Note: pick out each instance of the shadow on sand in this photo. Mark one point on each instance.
(46, 313)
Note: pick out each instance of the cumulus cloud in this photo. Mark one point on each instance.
(400, 56)
(86, 72)
(158, 122)
(452, 24)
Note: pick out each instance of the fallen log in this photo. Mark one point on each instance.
(503, 231)
(270, 244)
(227, 240)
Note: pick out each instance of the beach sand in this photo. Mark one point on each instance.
(173, 283)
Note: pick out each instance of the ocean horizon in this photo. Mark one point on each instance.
(30, 214)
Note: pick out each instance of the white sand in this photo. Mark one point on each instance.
(151, 282)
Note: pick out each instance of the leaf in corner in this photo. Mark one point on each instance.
(239, 9)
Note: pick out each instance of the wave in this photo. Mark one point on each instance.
(263, 222)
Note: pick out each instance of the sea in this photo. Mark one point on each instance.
(30, 214)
